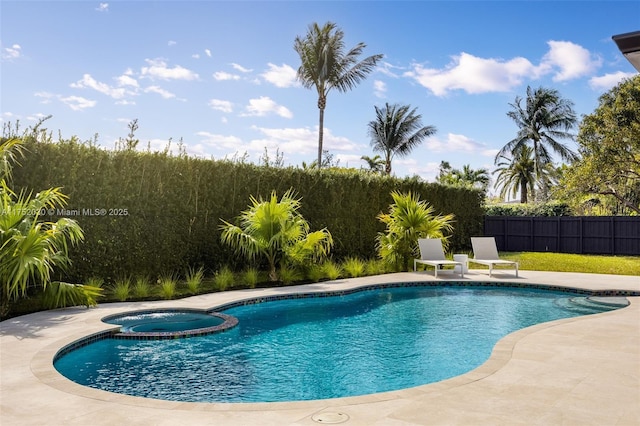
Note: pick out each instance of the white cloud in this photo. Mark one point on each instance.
(265, 105)
(566, 60)
(207, 52)
(89, 82)
(172, 43)
(220, 105)
(240, 68)
(608, 81)
(13, 52)
(389, 70)
(223, 76)
(160, 91)
(103, 7)
(158, 69)
(220, 141)
(573, 60)
(300, 141)
(426, 170)
(380, 89)
(78, 103)
(280, 76)
(46, 97)
(195, 56)
(456, 143)
(474, 75)
(126, 80)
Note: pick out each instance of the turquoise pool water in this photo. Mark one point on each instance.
(317, 348)
(164, 321)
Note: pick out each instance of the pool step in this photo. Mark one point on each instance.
(591, 304)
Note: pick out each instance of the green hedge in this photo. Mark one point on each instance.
(529, 209)
(150, 213)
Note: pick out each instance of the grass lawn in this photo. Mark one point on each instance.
(563, 262)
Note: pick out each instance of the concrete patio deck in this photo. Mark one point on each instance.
(578, 371)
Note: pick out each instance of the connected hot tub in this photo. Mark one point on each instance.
(170, 323)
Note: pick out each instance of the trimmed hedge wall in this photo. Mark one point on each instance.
(150, 213)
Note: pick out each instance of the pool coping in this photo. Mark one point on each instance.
(40, 361)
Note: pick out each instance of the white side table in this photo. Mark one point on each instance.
(464, 259)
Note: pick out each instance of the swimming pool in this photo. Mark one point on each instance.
(316, 348)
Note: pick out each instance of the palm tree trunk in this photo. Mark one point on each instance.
(322, 103)
(523, 192)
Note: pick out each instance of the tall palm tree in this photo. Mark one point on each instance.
(375, 163)
(470, 178)
(325, 65)
(517, 173)
(396, 130)
(543, 120)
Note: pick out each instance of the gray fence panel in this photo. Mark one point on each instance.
(618, 235)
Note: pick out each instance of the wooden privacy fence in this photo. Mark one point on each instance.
(618, 235)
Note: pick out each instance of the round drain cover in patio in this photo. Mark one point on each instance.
(330, 418)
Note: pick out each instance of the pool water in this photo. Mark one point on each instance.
(317, 348)
(165, 321)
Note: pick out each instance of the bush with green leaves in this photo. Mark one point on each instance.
(331, 269)
(121, 289)
(142, 287)
(60, 295)
(409, 219)
(168, 285)
(194, 279)
(314, 272)
(251, 276)
(224, 278)
(165, 208)
(375, 267)
(289, 274)
(275, 230)
(32, 248)
(353, 267)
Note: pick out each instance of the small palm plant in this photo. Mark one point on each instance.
(276, 230)
(408, 219)
(30, 248)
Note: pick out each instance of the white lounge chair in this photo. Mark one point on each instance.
(485, 252)
(432, 254)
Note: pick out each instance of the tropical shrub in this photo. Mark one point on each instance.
(60, 295)
(331, 269)
(408, 219)
(314, 272)
(142, 287)
(251, 276)
(353, 267)
(289, 274)
(194, 279)
(223, 278)
(30, 248)
(168, 286)
(121, 290)
(162, 211)
(277, 231)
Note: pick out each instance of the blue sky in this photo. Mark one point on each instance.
(221, 75)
